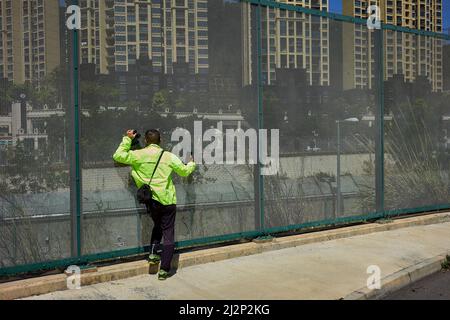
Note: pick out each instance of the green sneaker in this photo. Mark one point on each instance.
(163, 275)
(154, 258)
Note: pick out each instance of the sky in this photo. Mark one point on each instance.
(336, 6)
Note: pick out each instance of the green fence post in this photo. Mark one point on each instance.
(75, 171)
(260, 211)
(379, 121)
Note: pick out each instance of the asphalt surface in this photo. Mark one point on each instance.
(434, 287)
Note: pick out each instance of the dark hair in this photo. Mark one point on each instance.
(153, 136)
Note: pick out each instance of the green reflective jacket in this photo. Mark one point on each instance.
(143, 163)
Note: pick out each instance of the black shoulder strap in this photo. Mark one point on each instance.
(156, 167)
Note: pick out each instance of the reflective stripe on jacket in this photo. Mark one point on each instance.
(143, 163)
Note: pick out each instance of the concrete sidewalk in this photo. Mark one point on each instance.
(332, 269)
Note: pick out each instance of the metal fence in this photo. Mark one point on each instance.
(362, 117)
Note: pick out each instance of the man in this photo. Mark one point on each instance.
(163, 207)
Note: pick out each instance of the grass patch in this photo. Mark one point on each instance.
(446, 263)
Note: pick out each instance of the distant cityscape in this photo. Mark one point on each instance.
(206, 49)
(116, 34)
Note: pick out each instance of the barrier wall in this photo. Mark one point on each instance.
(361, 116)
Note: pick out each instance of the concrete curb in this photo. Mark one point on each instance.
(47, 284)
(400, 279)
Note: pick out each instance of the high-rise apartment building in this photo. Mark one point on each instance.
(290, 40)
(116, 33)
(93, 30)
(29, 39)
(405, 54)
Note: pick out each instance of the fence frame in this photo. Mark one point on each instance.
(77, 258)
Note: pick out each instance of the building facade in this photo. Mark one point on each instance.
(290, 40)
(93, 45)
(117, 33)
(29, 39)
(405, 54)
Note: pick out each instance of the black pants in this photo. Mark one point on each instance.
(164, 227)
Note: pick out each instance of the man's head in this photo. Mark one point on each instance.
(153, 136)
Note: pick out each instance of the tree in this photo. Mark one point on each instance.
(161, 100)
(32, 171)
(94, 95)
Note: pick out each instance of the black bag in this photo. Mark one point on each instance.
(145, 193)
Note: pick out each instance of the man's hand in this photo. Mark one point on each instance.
(131, 134)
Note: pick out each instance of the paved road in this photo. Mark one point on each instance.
(325, 270)
(434, 287)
